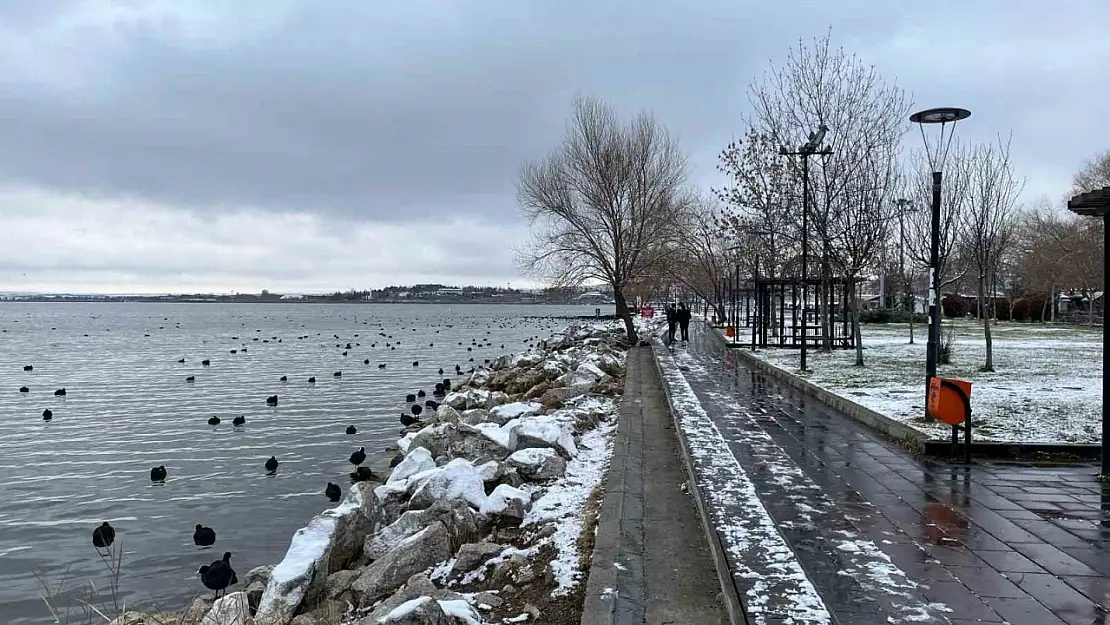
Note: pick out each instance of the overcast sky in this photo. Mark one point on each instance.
(302, 146)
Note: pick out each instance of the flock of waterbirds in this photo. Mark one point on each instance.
(219, 575)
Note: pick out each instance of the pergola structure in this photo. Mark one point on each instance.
(1097, 204)
(774, 313)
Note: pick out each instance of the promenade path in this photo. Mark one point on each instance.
(825, 522)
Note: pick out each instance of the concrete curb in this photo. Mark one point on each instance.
(616, 596)
(907, 436)
(729, 593)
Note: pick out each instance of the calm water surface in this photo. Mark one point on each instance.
(128, 408)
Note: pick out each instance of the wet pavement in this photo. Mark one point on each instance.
(994, 542)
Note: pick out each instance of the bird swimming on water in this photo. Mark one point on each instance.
(205, 362)
(214, 420)
(218, 575)
(410, 398)
(272, 464)
(24, 389)
(351, 429)
(28, 368)
(158, 474)
(284, 378)
(332, 491)
(104, 536)
(47, 415)
(60, 393)
(204, 536)
(409, 421)
(312, 380)
(272, 400)
(358, 457)
(191, 378)
(240, 420)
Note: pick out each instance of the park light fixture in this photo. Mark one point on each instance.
(945, 119)
(808, 149)
(1096, 204)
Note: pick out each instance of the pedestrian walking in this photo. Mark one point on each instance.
(683, 314)
(672, 323)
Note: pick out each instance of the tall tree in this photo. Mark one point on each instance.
(822, 85)
(861, 223)
(988, 223)
(1094, 175)
(607, 204)
(705, 257)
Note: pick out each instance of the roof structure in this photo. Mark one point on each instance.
(1092, 203)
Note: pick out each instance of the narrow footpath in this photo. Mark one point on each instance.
(651, 563)
(864, 532)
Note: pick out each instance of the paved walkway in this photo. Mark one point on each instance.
(886, 538)
(651, 564)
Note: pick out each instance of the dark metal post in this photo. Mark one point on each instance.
(1105, 343)
(933, 349)
(805, 256)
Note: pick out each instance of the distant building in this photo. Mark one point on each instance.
(449, 292)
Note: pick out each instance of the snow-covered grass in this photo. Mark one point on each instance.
(1046, 386)
(777, 585)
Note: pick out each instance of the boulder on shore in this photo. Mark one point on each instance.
(413, 555)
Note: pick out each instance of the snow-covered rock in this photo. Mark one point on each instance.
(417, 460)
(458, 479)
(434, 438)
(480, 376)
(417, 586)
(405, 442)
(474, 416)
(586, 374)
(507, 412)
(331, 540)
(542, 431)
(420, 611)
(468, 398)
(471, 556)
(447, 414)
(461, 521)
(538, 463)
(416, 553)
(511, 504)
(233, 609)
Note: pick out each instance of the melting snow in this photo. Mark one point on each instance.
(778, 587)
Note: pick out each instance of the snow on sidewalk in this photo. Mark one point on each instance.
(861, 560)
(768, 572)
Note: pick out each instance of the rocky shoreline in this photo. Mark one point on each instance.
(489, 518)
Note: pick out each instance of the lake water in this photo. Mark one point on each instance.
(128, 408)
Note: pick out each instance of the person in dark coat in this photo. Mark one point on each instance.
(683, 315)
(672, 322)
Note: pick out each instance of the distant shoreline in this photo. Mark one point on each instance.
(232, 300)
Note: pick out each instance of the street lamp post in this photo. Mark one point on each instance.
(1097, 204)
(808, 149)
(936, 156)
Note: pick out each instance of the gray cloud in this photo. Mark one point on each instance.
(393, 112)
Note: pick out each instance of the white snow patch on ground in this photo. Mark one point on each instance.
(1046, 387)
(564, 502)
(779, 587)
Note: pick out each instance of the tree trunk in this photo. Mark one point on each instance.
(985, 317)
(913, 313)
(854, 299)
(625, 314)
(1044, 309)
(1052, 303)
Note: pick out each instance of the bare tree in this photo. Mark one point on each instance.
(705, 258)
(988, 221)
(760, 203)
(607, 205)
(862, 221)
(819, 84)
(1094, 175)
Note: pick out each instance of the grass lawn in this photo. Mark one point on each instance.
(1046, 387)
